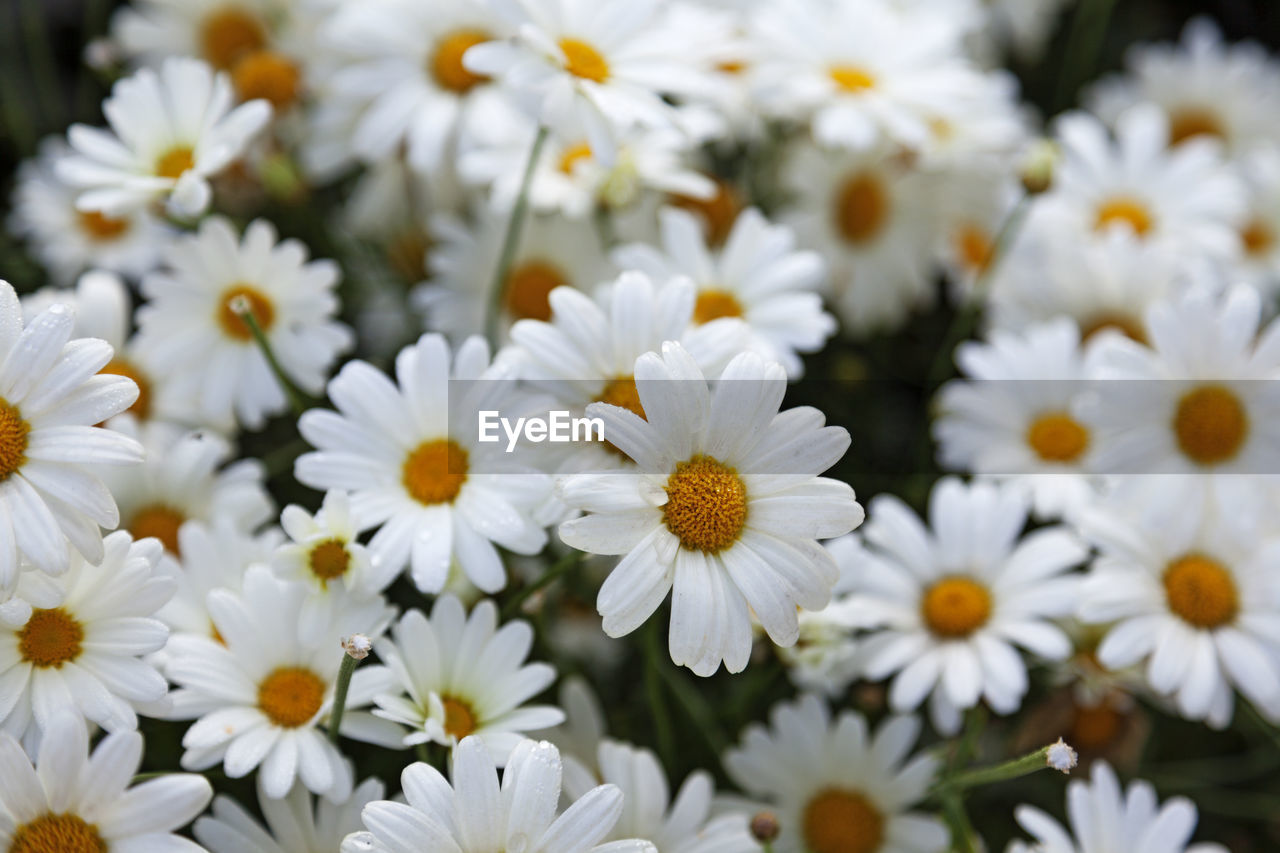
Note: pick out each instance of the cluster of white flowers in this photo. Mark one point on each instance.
(655, 218)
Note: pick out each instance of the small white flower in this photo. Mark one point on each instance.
(294, 823)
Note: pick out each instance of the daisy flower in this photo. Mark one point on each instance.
(325, 555)
(1208, 87)
(72, 801)
(837, 786)
(554, 252)
(193, 323)
(83, 654)
(873, 218)
(861, 72)
(947, 605)
(67, 241)
(293, 823)
(1184, 200)
(415, 466)
(1196, 400)
(1261, 232)
(476, 815)
(602, 67)
(50, 398)
(1103, 817)
(758, 276)
(185, 477)
(1014, 416)
(827, 658)
(684, 825)
(1191, 594)
(260, 695)
(170, 132)
(458, 676)
(724, 512)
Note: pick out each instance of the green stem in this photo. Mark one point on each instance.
(957, 819)
(297, 400)
(511, 240)
(1084, 45)
(654, 654)
(1015, 769)
(604, 227)
(345, 671)
(554, 572)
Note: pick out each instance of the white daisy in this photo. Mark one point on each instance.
(73, 802)
(184, 477)
(725, 510)
(260, 694)
(1196, 400)
(603, 67)
(412, 459)
(170, 132)
(861, 72)
(827, 657)
(758, 276)
(83, 654)
(1103, 817)
(838, 787)
(1206, 85)
(1260, 235)
(191, 323)
(475, 815)
(50, 397)
(66, 240)
(948, 604)
(326, 556)
(554, 252)
(293, 823)
(458, 676)
(1190, 593)
(875, 219)
(1014, 416)
(1185, 200)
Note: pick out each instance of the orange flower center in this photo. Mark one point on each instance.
(1128, 326)
(229, 33)
(1128, 211)
(407, 254)
(123, 367)
(13, 439)
(974, 247)
(291, 696)
(1095, 727)
(172, 163)
(160, 521)
(718, 213)
(528, 286)
(446, 62)
(233, 301)
(1201, 591)
(622, 392)
(714, 304)
(268, 75)
(57, 833)
(852, 78)
(1057, 437)
(50, 638)
(861, 208)
(572, 156)
(459, 719)
(840, 821)
(955, 607)
(1210, 425)
(102, 228)
(435, 471)
(583, 60)
(706, 506)
(329, 559)
(1193, 121)
(1258, 238)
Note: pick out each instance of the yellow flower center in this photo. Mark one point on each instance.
(955, 607)
(268, 75)
(1258, 238)
(435, 471)
(291, 696)
(1210, 425)
(852, 78)
(974, 247)
(622, 392)
(232, 302)
(160, 521)
(57, 833)
(572, 156)
(13, 439)
(172, 163)
(718, 213)
(1124, 210)
(101, 228)
(1057, 437)
(714, 304)
(583, 60)
(1093, 728)
(1193, 121)
(459, 719)
(446, 62)
(50, 638)
(706, 506)
(528, 286)
(840, 821)
(861, 208)
(1201, 591)
(122, 367)
(1130, 327)
(229, 33)
(329, 560)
